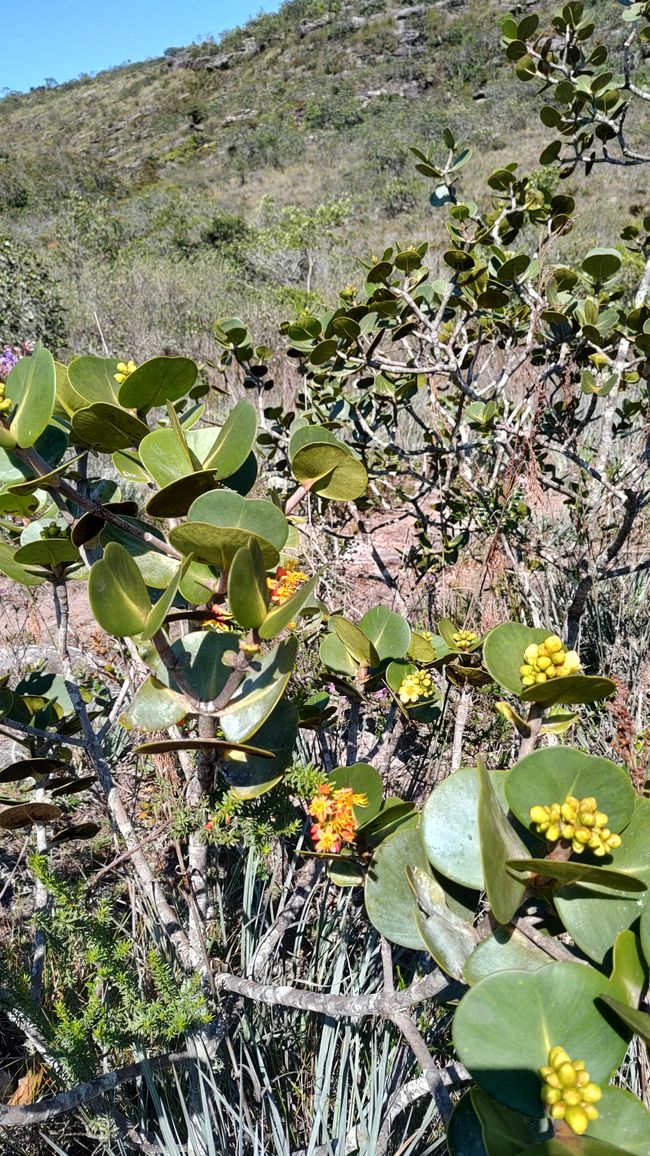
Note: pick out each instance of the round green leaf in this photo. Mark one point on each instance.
(47, 552)
(503, 652)
(23, 815)
(259, 693)
(13, 570)
(154, 707)
(235, 441)
(601, 264)
(335, 657)
(30, 768)
(92, 378)
(450, 825)
(623, 1121)
(226, 509)
(31, 385)
(345, 483)
(505, 1026)
(156, 382)
(389, 633)
(550, 774)
(107, 427)
(571, 689)
(78, 831)
(505, 949)
(117, 593)
(248, 774)
(166, 457)
(174, 500)
(217, 546)
(388, 894)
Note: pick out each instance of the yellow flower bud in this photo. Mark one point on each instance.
(526, 669)
(531, 652)
(537, 814)
(553, 643)
(558, 1111)
(568, 811)
(557, 658)
(551, 1095)
(592, 1112)
(553, 833)
(567, 1076)
(582, 835)
(600, 819)
(592, 1093)
(588, 804)
(572, 1096)
(528, 680)
(540, 677)
(577, 1119)
(543, 663)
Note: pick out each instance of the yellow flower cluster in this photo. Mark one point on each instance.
(579, 822)
(464, 639)
(285, 582)
(124, 370)
(548, 660)
(5, 402)
(415, 686)
(568, 1092)
(335, 820)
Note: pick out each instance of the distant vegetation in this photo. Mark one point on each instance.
(160, 195)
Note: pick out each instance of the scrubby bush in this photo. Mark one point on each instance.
(31, 307)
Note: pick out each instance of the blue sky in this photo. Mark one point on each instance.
(46, 38)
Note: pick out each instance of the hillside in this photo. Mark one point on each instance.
(157, 193)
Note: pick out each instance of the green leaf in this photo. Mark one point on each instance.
(156, 569)
(389, 632)
(107, 427)
(550, 774)
(505, 949)
(92, 378)
(629, 970)
(235, 441)
(464, 1133)
(279, 617)
(355, 641)
(503, 652)
(31, 768)
(117, 593)
(505, 1026)
(259, 693)
(160, 610)
(623, 1120)
(601, 264)
(449, 939)
(388, 894)
(77, 831)
(221, 522)
(361, 778)
(13, 570)
(32, 386)
(249, 775)
(392, 815)
(47, 552)
(23, 815)
(156, 382)
(199, 655)
(421, 650)
(128, 464)
(174, 500)
(335, 657)
(637, 1021)
(506, 1133)
(573, 688)
(594, 917)
(154, 707)
(450, 826)
(165, 458)
(575, 871)
(499, 843)
(248, 593)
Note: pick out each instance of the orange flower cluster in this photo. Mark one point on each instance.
(286, 581)
(335, 821)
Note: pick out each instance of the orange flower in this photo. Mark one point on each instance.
(286, 581)
(336, 822)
